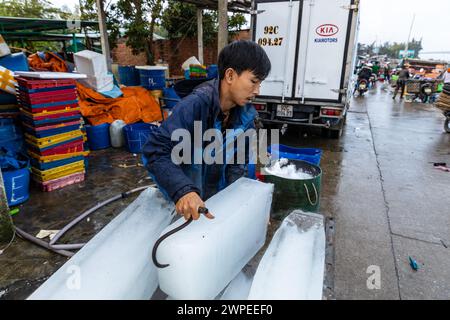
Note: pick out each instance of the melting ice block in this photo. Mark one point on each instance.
(206, 255)
(293, 264)
(239, 288)
(116, 263)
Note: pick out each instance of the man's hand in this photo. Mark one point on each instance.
(188, 206)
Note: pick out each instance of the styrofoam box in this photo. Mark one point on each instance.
(101, 83)
(90, 63)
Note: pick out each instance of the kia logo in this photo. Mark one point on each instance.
(327, 30)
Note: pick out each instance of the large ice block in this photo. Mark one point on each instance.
(239, 287)
(116, 263)
(206, 255)
(292, 267)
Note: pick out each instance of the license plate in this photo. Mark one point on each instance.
(285, 111)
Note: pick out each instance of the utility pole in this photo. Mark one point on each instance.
(409, 36)
(6, 225)
(200, 34)
(103, 32)
(222, 39)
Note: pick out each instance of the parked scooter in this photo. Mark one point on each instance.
(425, 92)
(447, 121)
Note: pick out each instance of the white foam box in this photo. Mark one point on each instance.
(90, 63)
(99, 83)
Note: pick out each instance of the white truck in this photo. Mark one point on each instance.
(312, 47)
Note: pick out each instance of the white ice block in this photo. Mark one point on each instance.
(116, 263)
(292, 267)
(206, 255)
(239, 288)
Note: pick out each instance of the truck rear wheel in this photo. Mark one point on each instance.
(331, 133)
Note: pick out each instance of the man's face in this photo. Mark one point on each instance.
(244, 87)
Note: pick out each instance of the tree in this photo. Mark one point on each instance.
(29, 9)
(180, 20)
(392, 50)
(139, 29)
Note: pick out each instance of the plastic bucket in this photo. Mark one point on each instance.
(213, 71)
(17, 184)
(291, 194)
(98, 136)
(310, 155)
(152, 77)
(136, 135)
(171, 94)
(129, 76)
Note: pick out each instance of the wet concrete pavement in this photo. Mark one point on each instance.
(382, 199)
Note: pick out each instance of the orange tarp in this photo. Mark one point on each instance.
(52, 63)
(136, 104)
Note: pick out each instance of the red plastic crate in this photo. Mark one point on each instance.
(71, 147)
(44, 83)
(49, 97)
(53, 126)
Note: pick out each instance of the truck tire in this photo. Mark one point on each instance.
(331, 133)
(447, 125)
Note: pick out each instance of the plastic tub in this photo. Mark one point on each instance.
(98, 136)
(15, 62)
(152, 77)
(129, 76)
(17, 184)
(310, 155)
(136, 135)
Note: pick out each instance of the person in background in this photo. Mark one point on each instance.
(387, 74)
(403, 76)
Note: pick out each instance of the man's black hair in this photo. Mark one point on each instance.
(244, 55)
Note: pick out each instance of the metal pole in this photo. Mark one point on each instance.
(409, 36)
(103, 32)
(200, 34)
(222, 38)
(6, 224)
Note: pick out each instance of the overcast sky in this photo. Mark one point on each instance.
(390, 20)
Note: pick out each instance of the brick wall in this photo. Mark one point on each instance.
(172, 51)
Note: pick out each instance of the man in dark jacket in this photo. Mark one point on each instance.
(220, 104)
(403, 76)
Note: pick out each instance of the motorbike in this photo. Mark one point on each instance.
(425, 92)
(362, 86)
(447, 121)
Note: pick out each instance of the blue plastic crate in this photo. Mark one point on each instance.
(310, 155)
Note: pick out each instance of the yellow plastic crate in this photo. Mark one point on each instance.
(48, 141)
(57, 172)
(57, 156)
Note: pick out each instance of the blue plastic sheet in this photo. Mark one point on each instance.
(12, 160)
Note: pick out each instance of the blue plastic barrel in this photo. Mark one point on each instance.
(15, 62)
(17, 184)
(213, 71)
(10, 135)
(170, 94)
(136, 135)
(310, 155)
(98, 136)
(152, 77)
(129, 76)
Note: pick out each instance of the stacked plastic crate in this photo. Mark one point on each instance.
(51, 120)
